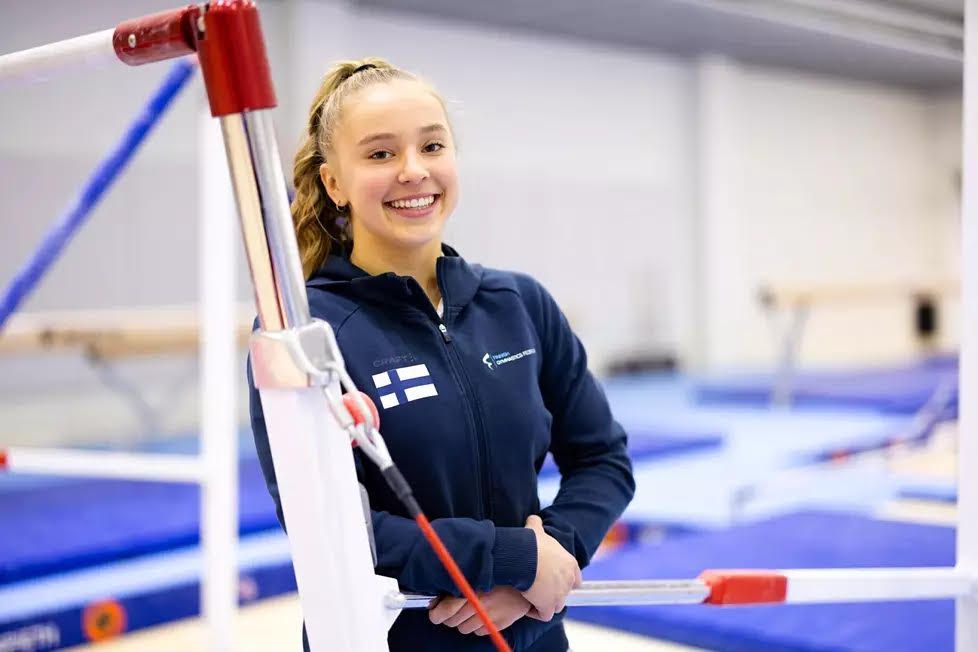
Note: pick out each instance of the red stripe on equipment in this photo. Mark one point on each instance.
(232, 58)
(3, 459)
(745, 587)
(165, 35)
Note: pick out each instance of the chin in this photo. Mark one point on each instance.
(417, 243)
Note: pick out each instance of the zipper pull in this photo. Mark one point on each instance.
(444, 332)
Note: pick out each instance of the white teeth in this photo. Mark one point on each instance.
(422, 202)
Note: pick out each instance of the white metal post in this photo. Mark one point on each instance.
(342, 605)
(219, 376)
(342, 602)
(966, 616)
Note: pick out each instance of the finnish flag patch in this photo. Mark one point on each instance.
(403, 385)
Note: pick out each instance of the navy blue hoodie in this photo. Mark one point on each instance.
(470, 404)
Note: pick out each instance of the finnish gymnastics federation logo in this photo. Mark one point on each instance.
(494, 360)
(403, 385)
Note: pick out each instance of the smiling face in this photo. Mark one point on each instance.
(392, 162)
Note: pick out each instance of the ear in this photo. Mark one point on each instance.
(331, 183)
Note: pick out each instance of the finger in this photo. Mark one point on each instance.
(533, 521)
(463, 614)
(470, 625)
(543, 615)
(500, 622)
(446, 608)
(504, 621)
(578, 578)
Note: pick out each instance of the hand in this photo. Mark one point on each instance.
(504, 604)
(557, 574)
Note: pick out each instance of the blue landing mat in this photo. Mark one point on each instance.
(940, 492)
(105, 601)
(71, 525)
(63, 525)
(739, 481)
(802, 540)
(897, 390)
(644, 445)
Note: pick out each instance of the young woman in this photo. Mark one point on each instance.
(476, 372)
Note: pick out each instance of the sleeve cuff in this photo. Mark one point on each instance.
(514, 557)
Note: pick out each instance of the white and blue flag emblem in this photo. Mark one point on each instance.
(403, 385)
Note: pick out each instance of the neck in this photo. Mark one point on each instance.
(376, 258)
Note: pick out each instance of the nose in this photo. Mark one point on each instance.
(413, 171)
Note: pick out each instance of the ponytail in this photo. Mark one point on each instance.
(318, 223)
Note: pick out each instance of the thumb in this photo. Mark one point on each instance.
(534, 523)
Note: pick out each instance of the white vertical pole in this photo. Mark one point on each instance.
(317, 482)
(219, 381)
(967, 542)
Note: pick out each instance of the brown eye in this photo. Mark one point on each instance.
(381, 155)
(433, 147)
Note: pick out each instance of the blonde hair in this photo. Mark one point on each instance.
(317, 220)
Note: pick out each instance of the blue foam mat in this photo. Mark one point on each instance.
(898, 390)
(940, 492)
(644, 445)
(71, 525)
(50, 613)
(64, 525)
(803, 540)
(707, 489)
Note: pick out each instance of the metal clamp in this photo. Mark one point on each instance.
(308, 356)
(305, 356)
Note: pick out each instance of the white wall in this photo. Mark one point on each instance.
(944, 119)
(823, 181)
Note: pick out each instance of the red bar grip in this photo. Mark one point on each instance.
(3, 459)
(233, 60)
(745, 587)
(166, 35)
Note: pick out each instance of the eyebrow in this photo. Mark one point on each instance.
(432, 128)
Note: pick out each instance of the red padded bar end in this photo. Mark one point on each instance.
(161, 36)
(232, 58)
(3, 460)
(745, 587)
(351, 406)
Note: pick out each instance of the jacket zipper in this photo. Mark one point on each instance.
(444, 332)
(484, 479)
